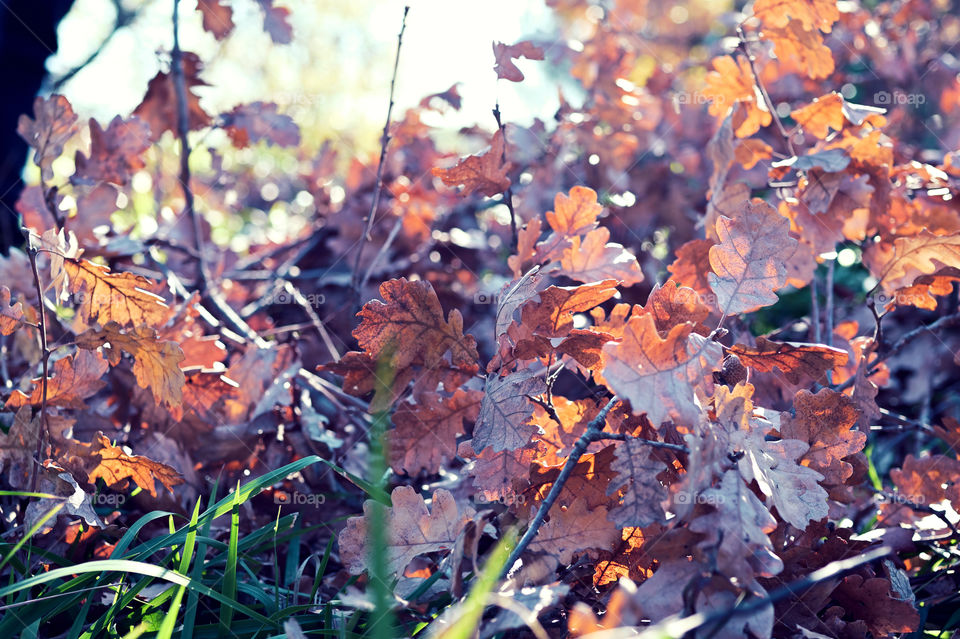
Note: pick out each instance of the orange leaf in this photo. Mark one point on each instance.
(812, 14)
(801, 47)
(596, 260)
(217, 17)
(156, 362)
(115, 466)
(114, 297)
(900, 265)
(485, 173)
(730, 86)
(821, 115)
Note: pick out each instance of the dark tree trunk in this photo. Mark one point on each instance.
(28, 35)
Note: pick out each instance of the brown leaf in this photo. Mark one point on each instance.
(412, 529)
(258, 121)
(73, 379)
(748, 262)
(690, 266)
(18, 447)
(672, 304)
(156, 362)
(574, 214)
(640, 504)
(874, 600)
(113, 297)
(506, 413)
(658, 375)
(573, 529)
(409, 325)
(114, 466)
(485, 173)
(159, 106)
(54, 124)
(825, 421)
(11, 315)
(505, 53)
(217, 17)
(552, 316)
(796, 361)
(115, 152)
(425, 432)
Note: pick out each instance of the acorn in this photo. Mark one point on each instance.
(732, 372)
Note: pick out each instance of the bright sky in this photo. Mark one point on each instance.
(338, 67)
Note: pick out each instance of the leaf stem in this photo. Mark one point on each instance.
(45, 363)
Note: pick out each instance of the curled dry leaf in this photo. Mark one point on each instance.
(11, 315)
(114, 466)
(413, 529)
(53, 125)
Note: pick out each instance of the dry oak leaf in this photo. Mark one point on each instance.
(552, 316)
(797, 361)
(825, 421)
(217, 17)
(425, 433)
(54, 125)
(156, 363)
(505, 53)
(672, 304)
(900, 265)
(115, 465)
(658, 375)
(485, 173)
(928, 480)
(18, 446)
(748, 262)
(159, 106)
(596, 259)
(877, 603)
(689, 266)
(574, 214)
(506, 414)
(115, 152)
(730, 86)
(573, 529)
(642, 497)
(114, 297)
(413, 529)
(821, 115)
(812, 14)
(804, 49)
(11, 315)
(257, 121)
(499, 475)
(750, 151)
(74, 378)
(409, 324)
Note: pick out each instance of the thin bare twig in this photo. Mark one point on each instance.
(763, 91)
(508, 194)
(384, 141)
(183, 126)
(45, 363)
(594, 428)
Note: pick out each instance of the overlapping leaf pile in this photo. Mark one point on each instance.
(677, 357)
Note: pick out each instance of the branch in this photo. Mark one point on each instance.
(763, 90)
(45, 363)
(384, 141)
(183, 126)
(508, 194)
(589, 436)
